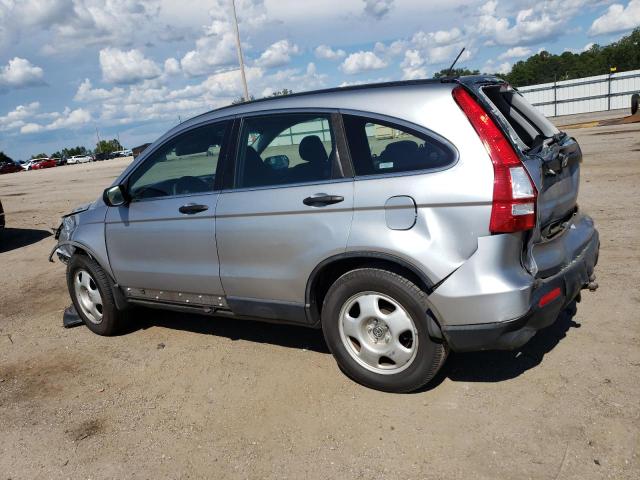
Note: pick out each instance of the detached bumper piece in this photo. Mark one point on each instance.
(549, 297)
(70, 318)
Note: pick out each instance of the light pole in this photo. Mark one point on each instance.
(240, 59)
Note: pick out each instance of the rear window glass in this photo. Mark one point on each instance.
(526, 122)
(379, 147)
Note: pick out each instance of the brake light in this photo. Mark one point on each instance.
(514, 195)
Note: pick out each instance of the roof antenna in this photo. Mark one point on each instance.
(450, 71)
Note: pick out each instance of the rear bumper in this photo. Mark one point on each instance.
(514, 333)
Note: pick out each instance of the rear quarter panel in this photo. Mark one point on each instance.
(453, 205)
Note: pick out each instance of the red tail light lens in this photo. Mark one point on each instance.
(514, 195)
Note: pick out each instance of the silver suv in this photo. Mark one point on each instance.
(404, 219)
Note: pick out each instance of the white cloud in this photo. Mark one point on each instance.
(546, 19)
(76, 24)
(617, 18)
(31, 128)
(70, 119)
(377, 8)
(295, 79)
(515, 52)
(277, 54)
(491, 67)
(86, 92)
(362, 61)
(216, 48)
(119, 66)
(441, 46)
(587, 47)
(171, 66)
(441, 37)
(24, 119)
(413, 66)
(17, 117)
(327, 53)
(394, 49)
(20, 73)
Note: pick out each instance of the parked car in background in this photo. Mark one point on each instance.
(404, 219)
(78, 159)
(43, 163)
(123, 153)
(9, 167)
(60, 161)
(26, 165)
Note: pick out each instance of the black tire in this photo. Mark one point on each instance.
(430, 354)
(112, 318)
(635, 102)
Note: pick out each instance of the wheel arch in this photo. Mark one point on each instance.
(82, 249)
(331, 268)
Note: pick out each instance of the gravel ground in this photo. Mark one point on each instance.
(182, 396)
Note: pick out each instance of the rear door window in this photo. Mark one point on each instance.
(379, 147)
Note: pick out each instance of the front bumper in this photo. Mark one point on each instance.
(512, 334)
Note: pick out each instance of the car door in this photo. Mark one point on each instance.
(162, 244)
(288, 208)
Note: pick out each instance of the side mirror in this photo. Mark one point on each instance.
(277, 162)
(115, 196)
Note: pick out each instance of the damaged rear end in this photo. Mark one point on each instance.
(537, 176)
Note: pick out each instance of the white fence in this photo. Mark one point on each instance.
(582, 95)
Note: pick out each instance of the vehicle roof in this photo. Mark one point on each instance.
(348, 97)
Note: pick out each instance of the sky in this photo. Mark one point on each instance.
(71, 70)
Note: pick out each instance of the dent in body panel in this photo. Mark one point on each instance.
(554, 254)
(492, 286)
(90, 233)
(453, 210)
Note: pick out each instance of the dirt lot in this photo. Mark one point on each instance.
(191, 397)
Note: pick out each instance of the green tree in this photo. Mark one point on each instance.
(280, 93)
(456, 72)
(4, 158)
(545, 67)
(40, 155)
(108, 146)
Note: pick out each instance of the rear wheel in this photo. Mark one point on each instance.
(91, 291)
(375, 323)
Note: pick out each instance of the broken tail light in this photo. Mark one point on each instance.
(514, 195)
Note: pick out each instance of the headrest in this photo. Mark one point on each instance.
(312, 150)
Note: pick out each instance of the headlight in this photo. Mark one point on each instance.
(67, 228)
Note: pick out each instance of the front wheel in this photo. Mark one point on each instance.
(91, 291)
(375, 324)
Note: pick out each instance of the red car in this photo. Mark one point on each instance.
(9, 167)
(44, 163)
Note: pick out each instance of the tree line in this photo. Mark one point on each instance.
(545, 67)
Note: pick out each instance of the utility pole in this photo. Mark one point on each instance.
(240, 59)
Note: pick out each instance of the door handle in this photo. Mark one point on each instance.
(192, 208)
(322, 199)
